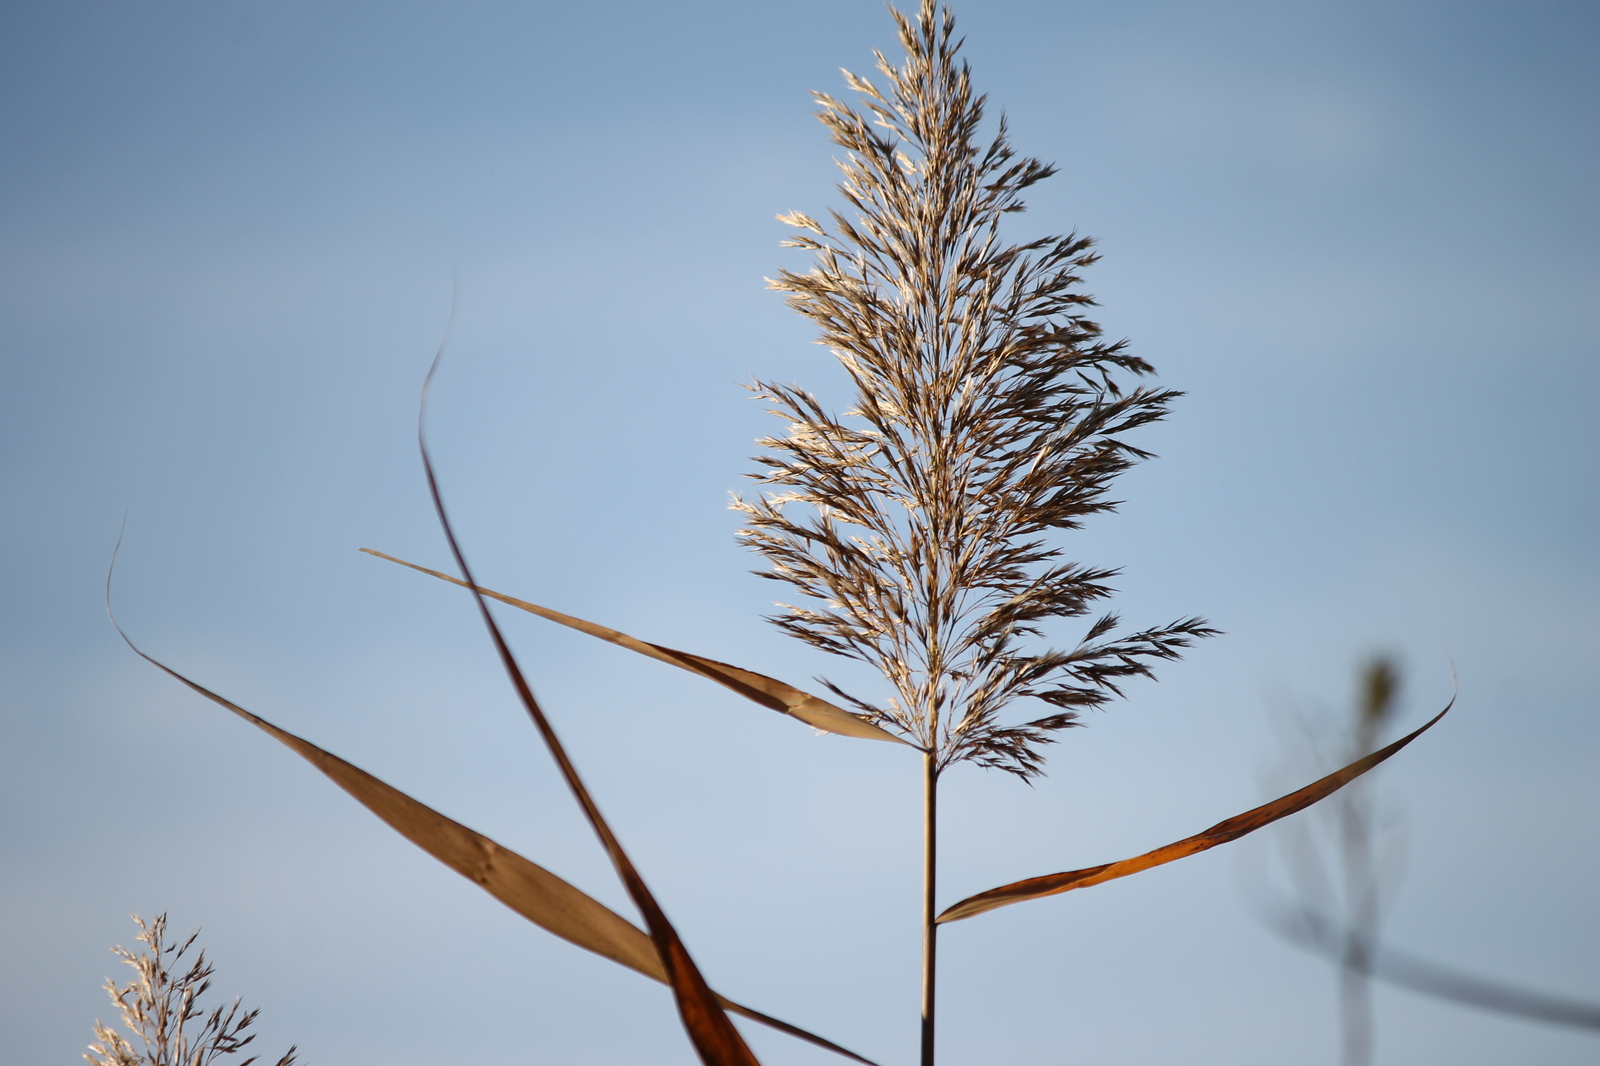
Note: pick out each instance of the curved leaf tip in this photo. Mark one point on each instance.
(769, 692)
(1224, 831)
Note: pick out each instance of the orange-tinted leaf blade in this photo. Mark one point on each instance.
(769, 692)
(1231, 829)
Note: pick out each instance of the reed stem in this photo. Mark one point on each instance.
(930, 930)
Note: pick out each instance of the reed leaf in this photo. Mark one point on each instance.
(530, 890)
(769, 692)
(713, 1035)
(1231, 829)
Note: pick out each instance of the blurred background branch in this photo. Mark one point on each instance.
(1345, 866)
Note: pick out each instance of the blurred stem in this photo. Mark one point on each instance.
(1378, 684)
(1355, 1007)
(1355, 995)
(930, 930)
(1355, 992)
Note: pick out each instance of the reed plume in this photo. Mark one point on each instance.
(160, 1002)
(989, 412)
(917, 526)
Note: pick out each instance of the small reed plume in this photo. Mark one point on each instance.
(160, 1002)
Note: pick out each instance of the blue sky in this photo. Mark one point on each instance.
(1360, 236)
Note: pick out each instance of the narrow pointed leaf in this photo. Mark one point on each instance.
(1221, 833)
(529, 889)
(715, 1039)
(769, 692)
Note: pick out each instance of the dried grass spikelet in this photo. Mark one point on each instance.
(160, 1002)
(989, 413)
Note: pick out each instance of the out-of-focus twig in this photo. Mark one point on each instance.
(1338, 899)
(1363, 878)
(1315, 932)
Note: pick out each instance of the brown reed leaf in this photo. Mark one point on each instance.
(769, 692)
(526, 887)
(715, 1039)
(1231, 829)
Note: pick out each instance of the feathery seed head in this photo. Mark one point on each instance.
(988, 413)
